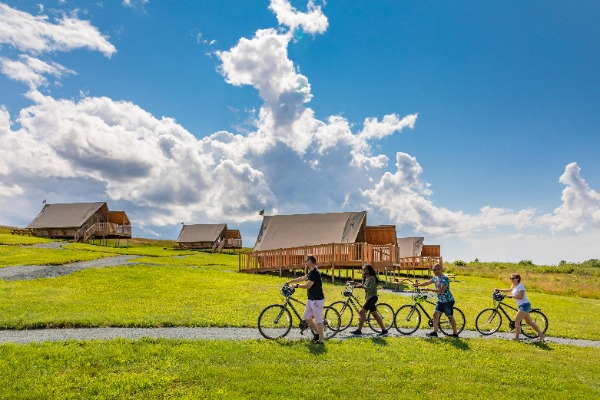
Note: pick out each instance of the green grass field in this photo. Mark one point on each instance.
(175, 288)
(380, 368)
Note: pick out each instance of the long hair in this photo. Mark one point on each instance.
(372, 272)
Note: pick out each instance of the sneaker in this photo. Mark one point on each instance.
(454, 335)
(432, 334)
(383, 333)
(315, 337)
(356, 332)
(316, 340)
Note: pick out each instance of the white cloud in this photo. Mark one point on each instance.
(580, 206)
(132, 156)
(35, 34)
(405, 198)
(313, 21)
(31, 71)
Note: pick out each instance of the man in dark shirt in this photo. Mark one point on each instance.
(313, 314)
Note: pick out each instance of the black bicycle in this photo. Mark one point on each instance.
(352, 304)
(408, 317)
(489, 320)
(275, 321)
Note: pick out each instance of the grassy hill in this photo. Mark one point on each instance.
(167, 287)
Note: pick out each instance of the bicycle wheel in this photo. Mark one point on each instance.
(386, 312)
(540, 320)
(275, 321)
(459, 318)
(346, 313)
(407, 319)
(331, 322)
(488, 321)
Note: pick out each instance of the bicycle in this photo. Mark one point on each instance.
(275, 321)
(489, 320)
(352, 304)
(408, 317)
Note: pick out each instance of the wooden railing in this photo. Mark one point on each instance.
(110, 228)
(233, 242)
(333, 255)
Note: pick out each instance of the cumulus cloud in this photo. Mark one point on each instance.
(312, 21)
(404, 197)
(133, 156)
(580, 206)
(36, 34)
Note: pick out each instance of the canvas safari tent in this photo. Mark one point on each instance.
(214, 237)
(287, 231)
(338, 240)
(80, 222)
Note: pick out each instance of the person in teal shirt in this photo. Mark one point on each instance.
(445, 303)
(369, 283)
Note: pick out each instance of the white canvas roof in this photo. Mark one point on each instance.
(285, 231)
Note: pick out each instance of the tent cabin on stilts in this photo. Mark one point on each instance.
(340, 242)
(213, 237)
(81, 222)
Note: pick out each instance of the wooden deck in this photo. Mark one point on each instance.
(337, 257)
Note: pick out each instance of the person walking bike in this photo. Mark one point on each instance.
(518, 293)
(445, 303)
(369, 283)
(313, 314)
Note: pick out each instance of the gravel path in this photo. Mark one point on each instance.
(57, 335)
(28, 272)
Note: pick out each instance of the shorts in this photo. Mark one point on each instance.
(446, 307)
(370, 305)
(525, 307)
(314, 309)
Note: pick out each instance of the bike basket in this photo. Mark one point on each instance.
(497, 296)
(287, 291)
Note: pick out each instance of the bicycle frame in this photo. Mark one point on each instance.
(501, 306)
(288, 303)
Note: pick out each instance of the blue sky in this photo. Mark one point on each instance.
(473, 124)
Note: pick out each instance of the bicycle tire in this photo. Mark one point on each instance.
(407, 319)
(540, 319)
(275, 322)
(459, 318)
(387, 316)
(488, 321)
(346, 314)
(331, 322)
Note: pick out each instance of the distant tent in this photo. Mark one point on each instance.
(80, 221)
(410, 246)
(286, 231)
(209, 236)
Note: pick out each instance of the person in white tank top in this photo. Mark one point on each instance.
(518, 293)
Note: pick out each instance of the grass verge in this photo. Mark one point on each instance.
(379, 368)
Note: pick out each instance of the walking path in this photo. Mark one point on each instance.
(185, 333)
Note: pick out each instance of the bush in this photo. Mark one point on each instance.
(460, 263)
(526, 263)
